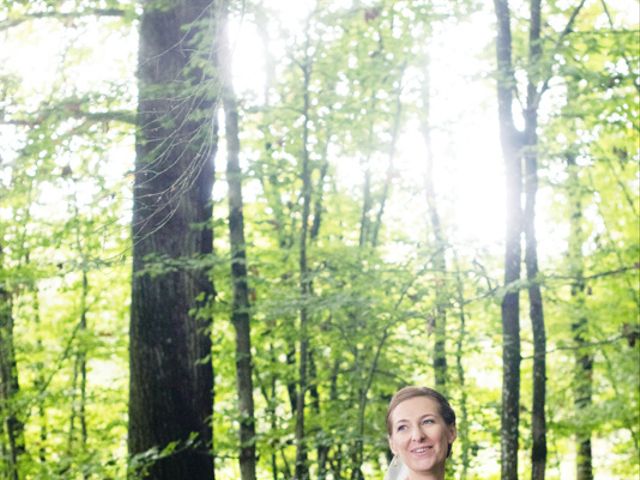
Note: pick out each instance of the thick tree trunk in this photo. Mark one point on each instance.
(240, 307)
(584, 359)
(171, 382)
(536, 314)
(511, 144)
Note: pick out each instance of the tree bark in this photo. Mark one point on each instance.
(367, 201)
(39, 381)
(395, 130)
(80, 366)
(583, 379)
(240, 316)
(9, 384)
(510, 307)
(463, 422)
(302, 469)
(171, 381)
(439, 258)
(536, 313)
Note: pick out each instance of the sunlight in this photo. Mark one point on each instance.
(468, 170)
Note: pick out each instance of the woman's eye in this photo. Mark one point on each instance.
(427, 421)
(401, 428)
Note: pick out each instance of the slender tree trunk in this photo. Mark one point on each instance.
(82, 360)
(81, 352)
(536, 314)
(439, 259)
(463, 422)
(367, 201)
(40, 380)
(319, 192)
(314, 232)
(395, 129)
(583, 379)
(538, 420)
(171, 381)
(323, 449)
(273, 419)
(78, 405)
(302, 469)
(356, 473)
(510, 308)
(10, 387)
(284, 224)
(9, 384)
(240, 308)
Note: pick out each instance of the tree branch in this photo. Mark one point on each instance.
(97, 12)
(566, 31)
(607, 341)
(124, 116)
(624, 56)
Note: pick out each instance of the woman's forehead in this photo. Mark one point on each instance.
(415, 407)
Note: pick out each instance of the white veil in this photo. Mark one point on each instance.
(396, 470)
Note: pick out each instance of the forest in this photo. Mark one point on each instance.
(230, 230)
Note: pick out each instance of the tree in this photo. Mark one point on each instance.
(522, 147)
(240, 309)
(530, 154)
(511, 300)
(439, 321)
(171, 378)
(9, 384)
(302, 469)
(584, 358)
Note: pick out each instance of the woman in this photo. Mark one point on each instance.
(421, 426)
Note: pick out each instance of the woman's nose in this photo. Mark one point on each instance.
(417, 434)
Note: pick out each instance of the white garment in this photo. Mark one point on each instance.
(397, 470)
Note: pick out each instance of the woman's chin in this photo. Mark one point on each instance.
(424, 463)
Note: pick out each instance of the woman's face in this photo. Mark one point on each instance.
(420, 436)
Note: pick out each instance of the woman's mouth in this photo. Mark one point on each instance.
(422, 450)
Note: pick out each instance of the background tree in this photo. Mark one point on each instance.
(171, 380)
(240, 315)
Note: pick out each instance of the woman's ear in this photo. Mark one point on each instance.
(391, 445)
(453, 433)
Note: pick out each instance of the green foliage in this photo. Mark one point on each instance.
(65, 192)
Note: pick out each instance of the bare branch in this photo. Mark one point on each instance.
(97, 12)
(607, 341)
(566, 31)
(624, 56)
(124, 116)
